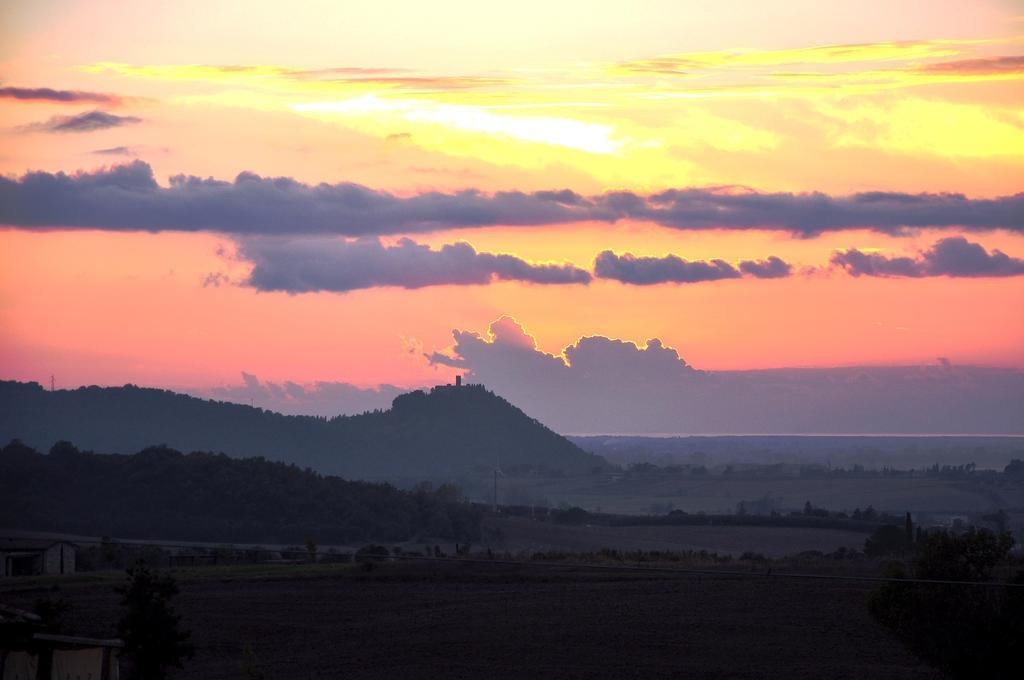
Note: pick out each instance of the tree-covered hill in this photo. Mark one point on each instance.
(159, 493)
(439, 434)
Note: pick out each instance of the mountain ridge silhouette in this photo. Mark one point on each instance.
(437, 434)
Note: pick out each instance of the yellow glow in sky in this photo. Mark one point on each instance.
(869, 96)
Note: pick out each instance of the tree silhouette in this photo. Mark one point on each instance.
(887, 539)
(150, 626)
(228, 499)
(967, 631)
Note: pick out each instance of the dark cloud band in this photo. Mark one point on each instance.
(772, 268)
(128, 197)
(312, 265)
(47, 94)
(954, 256)
(83, 122)
(647, 271)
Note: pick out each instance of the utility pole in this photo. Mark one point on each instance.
(495, 490)
(51, 382)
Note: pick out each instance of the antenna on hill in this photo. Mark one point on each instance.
(51, 382)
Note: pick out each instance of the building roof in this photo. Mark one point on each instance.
(77, 641)
(29, 544)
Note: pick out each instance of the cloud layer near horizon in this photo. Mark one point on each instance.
(601, 385)
(322, 398)
(128, 197)
(604, 385)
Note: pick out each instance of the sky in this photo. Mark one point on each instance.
(315, 206)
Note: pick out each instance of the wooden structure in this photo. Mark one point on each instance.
(27, 653)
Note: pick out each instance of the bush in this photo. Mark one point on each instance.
(150, 625)
(372, 553)
(888, 539)
(967, 631)
(572, 515)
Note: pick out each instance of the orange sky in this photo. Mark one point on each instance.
(642, 97)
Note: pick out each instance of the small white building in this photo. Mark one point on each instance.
(35, 556)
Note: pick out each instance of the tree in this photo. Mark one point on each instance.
(967, 631)
(887, 539)
(1015, 469)
(250, 667)
(150, 626)
(372, 553)
(970, 556)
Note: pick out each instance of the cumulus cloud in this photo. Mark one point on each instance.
(128, 197)
(83, 122)
(47, 94)
(321, 398)
(310, 265)
(646, 271)
(954, 256)
(605, 385)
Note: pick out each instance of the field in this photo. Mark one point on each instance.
(469, 621)
(646, 493)
(520, 534)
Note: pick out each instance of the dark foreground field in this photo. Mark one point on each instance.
(466, 621)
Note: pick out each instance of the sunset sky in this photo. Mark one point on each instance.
(323, 191)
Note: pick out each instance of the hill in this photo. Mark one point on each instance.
(159, 493)
(440, 434)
